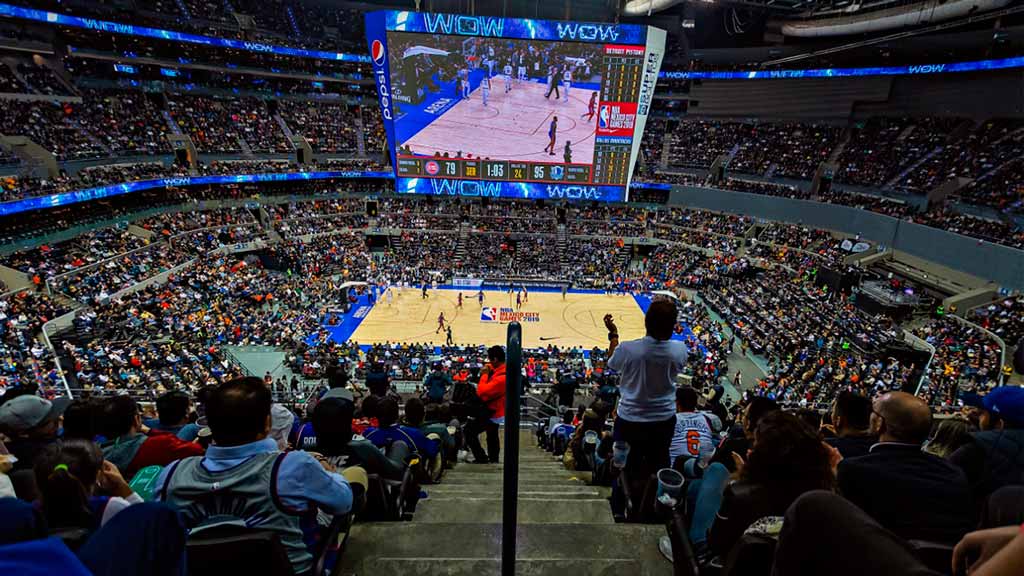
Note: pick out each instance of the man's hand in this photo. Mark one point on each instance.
(980, 546)
(112, 482)
(834, 457)
(609, 323)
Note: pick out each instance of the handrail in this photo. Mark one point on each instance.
(510, 477)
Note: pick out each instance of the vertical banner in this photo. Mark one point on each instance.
(653, 56)
(376, 42)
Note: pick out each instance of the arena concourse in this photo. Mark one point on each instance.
(230, 343)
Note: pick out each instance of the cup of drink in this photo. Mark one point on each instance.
(670, 486)
(620, 453)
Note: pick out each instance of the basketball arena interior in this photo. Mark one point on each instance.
(469, 287)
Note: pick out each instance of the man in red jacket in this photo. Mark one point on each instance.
(491, 392)
(131, 446)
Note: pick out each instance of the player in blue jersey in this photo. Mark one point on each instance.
(552, 136)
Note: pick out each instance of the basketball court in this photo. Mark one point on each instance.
(576, 321)
(512, 126)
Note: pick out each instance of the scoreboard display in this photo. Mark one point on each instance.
(485, 106)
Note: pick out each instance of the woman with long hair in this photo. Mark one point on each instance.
(68, 475)
(787, 459)
(951, 434)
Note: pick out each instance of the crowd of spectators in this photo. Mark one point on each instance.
(24, 359)
(1003, 318)
(966, 360)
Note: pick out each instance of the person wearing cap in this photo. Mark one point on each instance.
(32, 423)
(995, 456)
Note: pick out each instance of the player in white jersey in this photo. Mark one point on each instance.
(485, 88)
(567, 81)
(465, 83)
(508, 78)
(693, 436)
(522, 67)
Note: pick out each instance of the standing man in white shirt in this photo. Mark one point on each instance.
(647, 370)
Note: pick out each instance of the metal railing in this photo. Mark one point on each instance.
(510, 476)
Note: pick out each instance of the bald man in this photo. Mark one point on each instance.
(914, 494)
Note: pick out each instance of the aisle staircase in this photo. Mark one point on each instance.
(565, 527)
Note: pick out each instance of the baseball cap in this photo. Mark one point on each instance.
(1007, 402)
(26, 412)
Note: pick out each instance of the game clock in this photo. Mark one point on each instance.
(482, 106)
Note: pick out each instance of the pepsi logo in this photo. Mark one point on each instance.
(432, 168)
(377, 52)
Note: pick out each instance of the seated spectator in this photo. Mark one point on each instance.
(951, 434)
(561, 433)
(332, 422)
(80, 419)
(68, 474)
(995, 457)
(851, 421)
(367, 416)
(693, 438)
(377, 381)
(174, 410)
(263, 486)
(856, 544)
(130, 448)
(32, 424)
(389, 430)
(915, 494)
(787, 460)
(433, 420)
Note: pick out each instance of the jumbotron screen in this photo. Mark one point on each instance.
(486, 106)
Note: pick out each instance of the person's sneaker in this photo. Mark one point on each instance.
(475, 461)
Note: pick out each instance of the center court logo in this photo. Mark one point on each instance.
(377, 52)
(489, 314)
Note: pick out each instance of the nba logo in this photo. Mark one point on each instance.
(556, 172)
(432, 168)
(488, 314)
(602, 117)
(377, 52)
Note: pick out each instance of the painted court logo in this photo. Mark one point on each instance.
(488, 314)
(377, 52)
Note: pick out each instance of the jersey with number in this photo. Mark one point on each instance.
(508, 70)
(692, 437)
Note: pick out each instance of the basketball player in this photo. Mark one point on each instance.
(460, 300)
(465, 83)
(567, 153)
(508, 77)
(440, 323)
(566, 82)
(424, 296)
(389, 295)
(526, 295)
(480, 297)
(552, 136)
(565, 289)
(448, 338)
(521, 61)
(519, 300)
(591, 108)
(485, 89)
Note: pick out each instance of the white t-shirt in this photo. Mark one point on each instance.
(647, 373)
(692, 437)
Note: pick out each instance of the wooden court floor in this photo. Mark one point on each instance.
(576, 321)
(512, 126)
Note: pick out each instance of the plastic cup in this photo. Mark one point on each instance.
(620, 453)
(590, 437)
(670, 486)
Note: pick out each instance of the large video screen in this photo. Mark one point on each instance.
(482, 106)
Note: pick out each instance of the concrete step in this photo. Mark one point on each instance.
(531, 510)
(369, 543)
(465, 491)
(487, 566)
(560, 488)
(495, 480)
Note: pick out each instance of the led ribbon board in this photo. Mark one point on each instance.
(975, 66)
(503, 107)
(63, 199)
(132, 30)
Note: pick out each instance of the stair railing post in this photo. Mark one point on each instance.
(510, 476)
